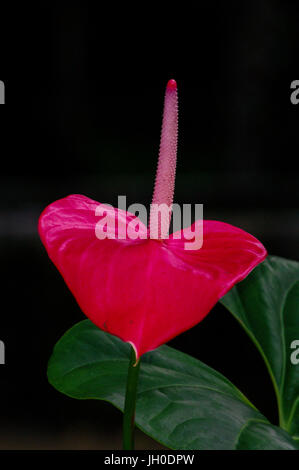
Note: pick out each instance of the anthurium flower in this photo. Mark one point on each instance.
(149, 288)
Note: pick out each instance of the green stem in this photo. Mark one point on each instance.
(130, 403)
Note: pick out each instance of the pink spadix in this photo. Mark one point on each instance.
(150, 289)
(165, 177)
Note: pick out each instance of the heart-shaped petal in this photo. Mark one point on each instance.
(144, 291)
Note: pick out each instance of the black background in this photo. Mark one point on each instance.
(84, 95)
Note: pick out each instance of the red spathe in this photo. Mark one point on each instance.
(144, 291)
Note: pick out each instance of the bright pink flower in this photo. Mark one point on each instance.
(145, 291)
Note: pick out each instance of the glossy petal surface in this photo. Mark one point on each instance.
(144, 291)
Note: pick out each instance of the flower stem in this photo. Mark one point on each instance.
(130, 403)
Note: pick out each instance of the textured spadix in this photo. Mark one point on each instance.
(165, 177)
(144, 291)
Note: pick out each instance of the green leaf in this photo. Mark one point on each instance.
(181, 402)
(266, 304)
(257, 435)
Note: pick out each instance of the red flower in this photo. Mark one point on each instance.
(145, 290)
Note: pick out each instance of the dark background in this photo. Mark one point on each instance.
(84, 96)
